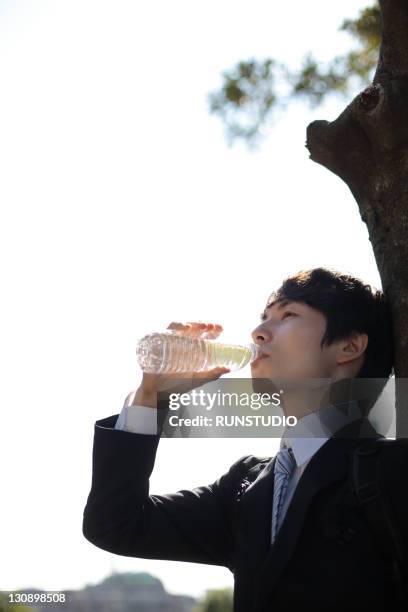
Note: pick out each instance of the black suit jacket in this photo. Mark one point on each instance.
(325, 557)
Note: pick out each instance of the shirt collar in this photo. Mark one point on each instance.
(313, 430)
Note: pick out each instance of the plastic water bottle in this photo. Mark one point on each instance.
(169, 352)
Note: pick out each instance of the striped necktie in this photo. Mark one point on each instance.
(284, 466)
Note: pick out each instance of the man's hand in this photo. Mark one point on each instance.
(146, 394)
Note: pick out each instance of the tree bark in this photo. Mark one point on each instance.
(367, 146)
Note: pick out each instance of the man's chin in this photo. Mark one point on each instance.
(263, 370)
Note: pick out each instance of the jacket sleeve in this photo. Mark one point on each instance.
(121, 517)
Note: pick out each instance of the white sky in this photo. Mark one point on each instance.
(122, 209)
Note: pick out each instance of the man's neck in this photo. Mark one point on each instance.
(304, 401)
(312, 395)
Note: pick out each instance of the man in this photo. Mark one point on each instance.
(287, 527)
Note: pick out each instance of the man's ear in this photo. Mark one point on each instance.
(352, 348)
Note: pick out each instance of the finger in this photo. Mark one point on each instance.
(178, 328)
(212, 332)
(196, 328)
(206, 330)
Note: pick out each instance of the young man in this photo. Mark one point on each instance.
(287, 526)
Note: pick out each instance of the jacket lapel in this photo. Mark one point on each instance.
(329, 464)
(256, 506)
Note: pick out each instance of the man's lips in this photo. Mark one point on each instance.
(261, 356)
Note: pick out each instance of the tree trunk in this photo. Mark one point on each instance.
(367, 146)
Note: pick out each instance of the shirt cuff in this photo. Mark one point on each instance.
(138, 419)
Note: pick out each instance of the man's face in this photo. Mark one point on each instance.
(290, 335)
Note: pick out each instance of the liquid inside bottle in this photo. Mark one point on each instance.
(172, 353)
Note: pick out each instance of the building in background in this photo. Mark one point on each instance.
(120, 592)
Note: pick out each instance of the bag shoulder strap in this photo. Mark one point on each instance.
(366, 485)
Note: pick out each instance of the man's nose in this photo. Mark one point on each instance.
(261, 335)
